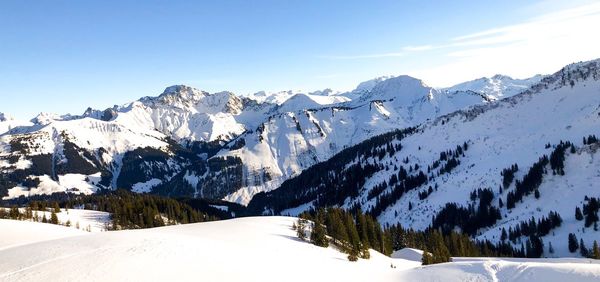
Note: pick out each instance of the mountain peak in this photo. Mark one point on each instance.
(406, 88)
(183, 91)
(176, 95)
(45, 118)
(180, 88)
(403, 80)
(496, 87)
(368, 85)
(501, 77)
(324, 92)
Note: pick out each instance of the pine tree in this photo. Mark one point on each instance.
(363, 231)
(582, 249)
(53, 218)
(300, 230)
(439, 251)
(595, 251)
(578, 214)
(14, 213)
(318, 236)
(537, 247)
(335, 227)
(55, 207)
(427, 258)
(573, 245)
(550, 248)
(354, 239)
(375, 235)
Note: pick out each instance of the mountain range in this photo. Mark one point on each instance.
(483, 156)
(266, 138)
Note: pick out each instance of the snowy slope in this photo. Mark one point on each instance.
(500, 269)
(7, 123)
(16, 233)
(245, 249)
(516, 130)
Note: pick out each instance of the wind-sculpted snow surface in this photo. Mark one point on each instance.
(245, 249)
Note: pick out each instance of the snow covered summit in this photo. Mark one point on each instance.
(495, 87)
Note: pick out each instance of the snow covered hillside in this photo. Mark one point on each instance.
(245, 249)
(17, 233)
(411, 177)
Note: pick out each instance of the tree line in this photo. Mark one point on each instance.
(128, 210)
(353, 232)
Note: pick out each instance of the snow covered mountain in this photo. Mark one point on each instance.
(322, 97)
(488, 169)
(495, 87)
(189, 142)
(290, 142)
(93, 151)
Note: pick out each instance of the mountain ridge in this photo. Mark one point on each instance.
(264, 142)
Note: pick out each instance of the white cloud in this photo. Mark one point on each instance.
(539, 45)
(542, 44)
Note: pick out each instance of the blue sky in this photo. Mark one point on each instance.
(63, 56)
